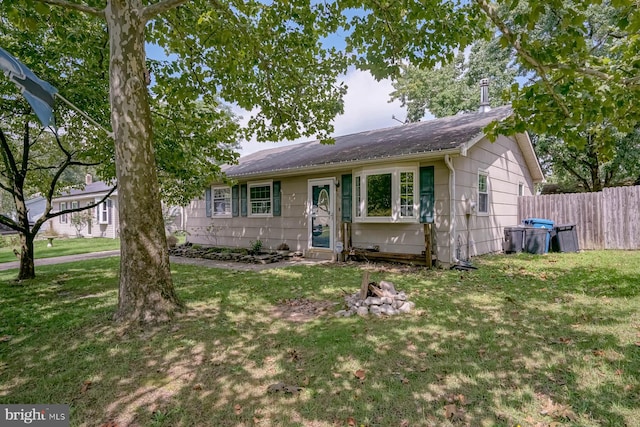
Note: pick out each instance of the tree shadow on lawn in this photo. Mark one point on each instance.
(479, 350)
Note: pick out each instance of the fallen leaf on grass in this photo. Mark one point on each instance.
(237, 409)
(351, 421)
(197, 387)
(5, 338)
(556, 410)
(360, 374)
(453, 413)
(85, 386)
(598, 353)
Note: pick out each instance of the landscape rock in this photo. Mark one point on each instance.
(392, 303)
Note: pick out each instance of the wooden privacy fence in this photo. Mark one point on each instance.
(609, 219)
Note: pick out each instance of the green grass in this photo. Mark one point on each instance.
(61, 247)
(524, 340)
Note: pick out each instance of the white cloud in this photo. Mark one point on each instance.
(366, 107)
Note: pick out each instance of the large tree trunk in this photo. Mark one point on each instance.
(27, 256)
(27, 266)
(146, 290)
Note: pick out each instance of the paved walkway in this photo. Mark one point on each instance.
(175, 260)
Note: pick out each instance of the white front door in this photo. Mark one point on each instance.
(321, 209)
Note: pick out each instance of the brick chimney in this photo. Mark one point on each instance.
(484, 96)
(88, 179)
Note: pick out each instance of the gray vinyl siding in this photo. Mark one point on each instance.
(478, 234)
(292, 226)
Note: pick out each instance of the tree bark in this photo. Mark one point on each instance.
(146, 293)
(27, 266)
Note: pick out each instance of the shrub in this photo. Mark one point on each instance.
(255, 247)
(172, 241)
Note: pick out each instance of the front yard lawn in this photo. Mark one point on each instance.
(524, 340)
(61, 246)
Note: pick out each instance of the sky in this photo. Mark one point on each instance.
(366, 107)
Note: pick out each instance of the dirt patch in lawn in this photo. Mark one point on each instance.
(302, 309)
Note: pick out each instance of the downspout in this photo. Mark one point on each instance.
(452, 209)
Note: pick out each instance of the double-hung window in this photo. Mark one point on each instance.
(483, 192)
(260, 199)
(386, 195)
(221, 201)
(104, 212)
(63, 217)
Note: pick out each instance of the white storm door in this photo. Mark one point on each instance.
(321, 213)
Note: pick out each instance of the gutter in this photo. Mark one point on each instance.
(452, 209)
(339, 166)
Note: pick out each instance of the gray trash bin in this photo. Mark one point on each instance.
(513, 239)
(536, 240)
(565, 238)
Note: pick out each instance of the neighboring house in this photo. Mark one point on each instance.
(35, 208)
(378, 189)
(104, 217)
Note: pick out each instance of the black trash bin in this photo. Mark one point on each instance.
(536, 240)
(513, 239)
(565, 238)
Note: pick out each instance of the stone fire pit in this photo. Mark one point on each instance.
(378, 299)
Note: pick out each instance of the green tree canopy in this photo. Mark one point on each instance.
(453, 87)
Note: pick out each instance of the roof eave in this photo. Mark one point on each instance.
(530, 157)
(331, 167)
(71, 197)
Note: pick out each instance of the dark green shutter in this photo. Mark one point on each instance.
(277, 199)
(207, 201)
(347, 200)
(235, 200)
(243, 200)
(427, 194)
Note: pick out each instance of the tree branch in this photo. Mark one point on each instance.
(5, 220)
(542, 70)
(162, 6)
(75, 6)
(7, 155)
(25, 150)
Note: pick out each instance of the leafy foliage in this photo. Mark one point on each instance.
(585, 58)
(452, 87)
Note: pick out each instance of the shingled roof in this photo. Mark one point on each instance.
(438, 135)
